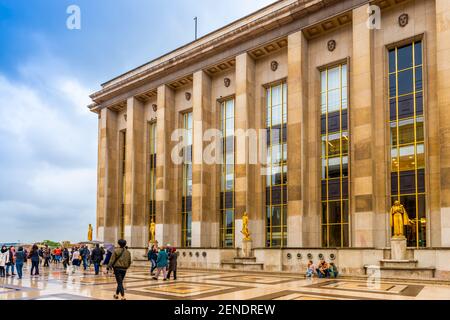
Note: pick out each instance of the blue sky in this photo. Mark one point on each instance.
(48, 139)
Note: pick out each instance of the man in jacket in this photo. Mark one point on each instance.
(97, 257)
(120, 262)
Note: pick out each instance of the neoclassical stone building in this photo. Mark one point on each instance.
(356, 111)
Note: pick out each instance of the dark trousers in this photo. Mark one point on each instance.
(153, 262)
(46, 262)
(174, 274)
(120, 276)
(35, 266)
(2, 272)
(97, 267)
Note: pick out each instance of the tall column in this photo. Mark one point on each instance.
(245, 174)
(201, 172)
(107, 201)
(362, 132)
(135, 229)
(296, 136)
(443, 103)
(166, 232)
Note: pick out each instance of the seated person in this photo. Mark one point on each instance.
(310, 269)
(322, 269)
(333, 270)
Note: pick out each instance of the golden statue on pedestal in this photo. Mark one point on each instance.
(244, 230)
(152, 230)
(399, 218)
(90, 232)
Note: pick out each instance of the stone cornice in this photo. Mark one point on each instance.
(278, 14)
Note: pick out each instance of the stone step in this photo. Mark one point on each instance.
(242, 266)
(405, 272)
(245, 259)
(399, 263)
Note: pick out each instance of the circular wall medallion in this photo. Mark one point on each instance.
(332, 256)
(320, 256)
(299, 255)
(331, 45)
(227, 82)
(310, 256)
(403, 20)
(190, 254)
(154, 107)
(289, 256)
(188, 96)
(197, 254)
(204, 254)
(184, 254)
(274, 65)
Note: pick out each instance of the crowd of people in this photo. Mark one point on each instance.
(117, 261)
(322, 270)
(78, 256)
(164, 260)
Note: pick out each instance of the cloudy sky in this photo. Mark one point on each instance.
(48, 139)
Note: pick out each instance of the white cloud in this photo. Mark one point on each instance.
(48, 158)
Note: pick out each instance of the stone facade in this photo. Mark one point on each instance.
(296, 35)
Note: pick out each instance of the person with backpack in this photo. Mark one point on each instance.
(120, 262)
(97, 257)
(34, 257)
(20, 257)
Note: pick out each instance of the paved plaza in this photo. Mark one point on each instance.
(55, 284)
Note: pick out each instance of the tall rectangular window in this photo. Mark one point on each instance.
(186, 205)
(151, 177)
(334, 142)
(123, 152)
(276, 177)
(406, 123)
(227, 174)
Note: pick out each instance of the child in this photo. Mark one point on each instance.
(310, 269)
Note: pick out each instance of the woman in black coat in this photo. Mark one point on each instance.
(172, 264)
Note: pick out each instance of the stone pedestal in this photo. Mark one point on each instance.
(246, 251)
(398, 248)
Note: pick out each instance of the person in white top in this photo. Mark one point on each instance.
(4, 259)
(75, 261)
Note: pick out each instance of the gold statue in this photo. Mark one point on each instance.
(245, 231)
(399, 218)
(152, 230)
(90, 232)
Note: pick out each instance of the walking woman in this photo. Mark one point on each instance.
(20, 260)
(76, 260)
(4, 257)
(161, 264)
(34, 257)
(172, 264)
(120, 262)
